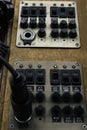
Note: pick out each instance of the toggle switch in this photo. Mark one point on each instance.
(24, 23)
(33, 23)
(76, 77)
(54, 23)
(65, 77)
(54, 77)
(30, 76)
(40, 76)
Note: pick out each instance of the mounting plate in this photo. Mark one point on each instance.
(47, 41)
(45, 122)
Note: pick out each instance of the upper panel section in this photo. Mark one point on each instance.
(48, 24)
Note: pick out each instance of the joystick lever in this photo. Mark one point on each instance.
(20, 98)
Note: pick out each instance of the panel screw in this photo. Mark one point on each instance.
(62, 4)
(73, 66)
(39, 66)
(64, 66)
(77, 44)
(19, 43)
(20, 66)
(41, 4)
(30, 66)
(77, 64)
(54, 4)
(22, 2)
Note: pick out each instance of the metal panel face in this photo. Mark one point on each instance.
(52, 24)
(61, 85)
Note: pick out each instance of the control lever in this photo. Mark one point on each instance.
(21, 100)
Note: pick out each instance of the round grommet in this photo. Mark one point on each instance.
(27, 36)
(84, 126)
(12, 126)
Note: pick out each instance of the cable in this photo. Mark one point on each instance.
(4, 49)
(3, 52)
(14, 73)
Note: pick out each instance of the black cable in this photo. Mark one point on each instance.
(3, 52)
(4, 49)
(14, 73)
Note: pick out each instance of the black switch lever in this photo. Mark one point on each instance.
(20, 98)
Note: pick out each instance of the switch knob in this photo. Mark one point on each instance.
(41, 23)
(73, 33)
(72, 24)
(33, 23)
(54, 33)
(54, 23)
(66, 97)
(24, 23)
(64, 33)
(40, 97)
(56, 97)
(41, 33)
(56, 111)
(77, 97)
(78, 111)
(63, 24)
(30, 76)
(40, 110)
(67, 111)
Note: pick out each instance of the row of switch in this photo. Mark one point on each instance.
(33, 23)
(67, 97)
(33, 11)
(56, 34)
(64, 33)
(65, 77)
(40, 11)
(33, 76)
(42, 24)
(63, 24)
(57, 77)
(62, 12)
(57, 98)
(56, 111)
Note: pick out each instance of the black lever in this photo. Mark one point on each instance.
(21, 100)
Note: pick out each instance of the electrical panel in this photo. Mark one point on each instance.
(52, 24)
(57, 92)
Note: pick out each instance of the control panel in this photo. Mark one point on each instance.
(57, 93)
(48, 24)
